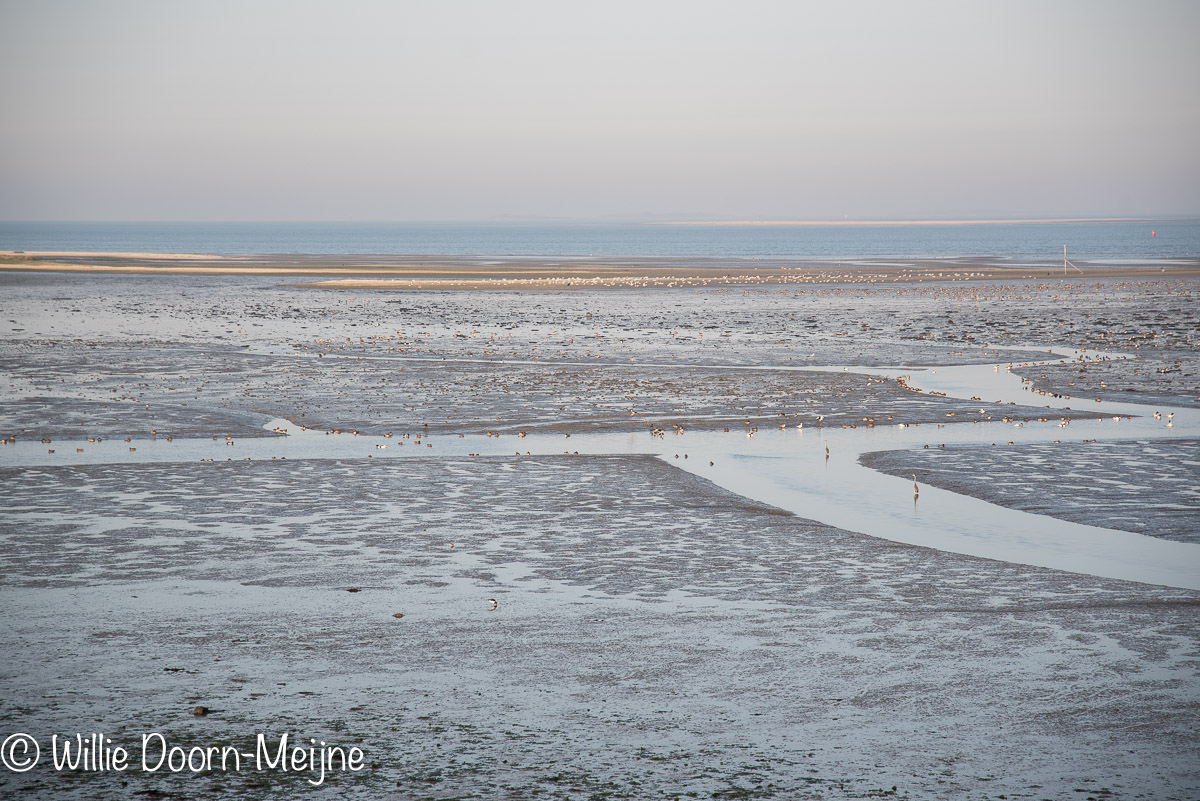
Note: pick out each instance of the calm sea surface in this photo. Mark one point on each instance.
(1016, 241)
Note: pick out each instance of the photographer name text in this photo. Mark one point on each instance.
(98, 753)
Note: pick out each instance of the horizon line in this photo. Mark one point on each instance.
(633, 221)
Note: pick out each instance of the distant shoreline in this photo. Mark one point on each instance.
(902, 223)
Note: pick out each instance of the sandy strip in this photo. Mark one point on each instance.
(133, 269)
(65, 254)
(903, 223)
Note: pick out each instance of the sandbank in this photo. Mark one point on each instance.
(417, 272)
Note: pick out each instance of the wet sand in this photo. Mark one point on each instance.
(655, 635)
(1101, 484)
(673, 641)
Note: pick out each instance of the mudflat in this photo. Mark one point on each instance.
(294, 478)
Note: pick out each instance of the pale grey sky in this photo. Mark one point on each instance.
(446, 110)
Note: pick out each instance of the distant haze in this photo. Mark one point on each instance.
(385, 110)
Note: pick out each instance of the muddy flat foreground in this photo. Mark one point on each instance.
(653, 635)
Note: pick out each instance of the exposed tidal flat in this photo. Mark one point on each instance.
(656, 634)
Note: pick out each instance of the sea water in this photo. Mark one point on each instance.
(1136, 241)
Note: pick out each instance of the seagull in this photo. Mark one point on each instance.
(916, 489)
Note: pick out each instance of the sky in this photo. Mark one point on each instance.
(657, 109)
